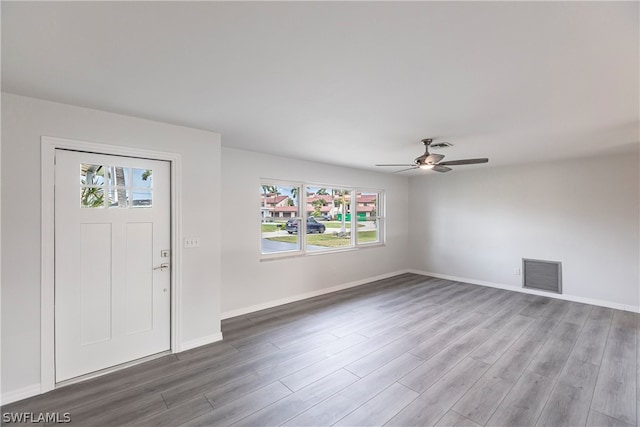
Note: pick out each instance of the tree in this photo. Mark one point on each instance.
(322, 192)
(340, 195)
(317, 205)
(92, 197)
(122, 192)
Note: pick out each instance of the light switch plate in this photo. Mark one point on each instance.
(191, 242)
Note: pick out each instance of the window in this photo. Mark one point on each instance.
(299, 219)
(115, 187)
(328, 209)
(280, 218)
(368, 217)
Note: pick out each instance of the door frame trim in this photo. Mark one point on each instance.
(47, 248)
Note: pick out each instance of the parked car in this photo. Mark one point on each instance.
(325, 217)
(313, 226)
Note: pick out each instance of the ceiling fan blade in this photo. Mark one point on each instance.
(439, 168)
(433, 158)
(395, 164)
(464, 162)
(408, 169)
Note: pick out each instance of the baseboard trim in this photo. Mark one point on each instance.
(270, 304)
(591, 301)
(210, 339)
(21, 393)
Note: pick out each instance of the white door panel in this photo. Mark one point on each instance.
(111, 225)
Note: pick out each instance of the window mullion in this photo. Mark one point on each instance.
(353, 210)
(302, 206)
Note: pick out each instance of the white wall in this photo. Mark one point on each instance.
(248, 282)
(479, 223)
(24, 121)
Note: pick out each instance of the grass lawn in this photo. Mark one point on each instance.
(338, 224)
(271, 227)
(328, 240)
(367, 236)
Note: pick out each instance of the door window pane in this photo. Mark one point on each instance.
(141, 198)
(142, 178)
(118, 198)
(91, 174)
(92, 197)
(117, 176)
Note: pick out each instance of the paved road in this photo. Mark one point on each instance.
(368, 225)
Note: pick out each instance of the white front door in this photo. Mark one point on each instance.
(112, 235)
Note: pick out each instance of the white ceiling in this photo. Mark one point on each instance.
(352, 83)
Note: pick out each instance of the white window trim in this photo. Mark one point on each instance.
(302, 216)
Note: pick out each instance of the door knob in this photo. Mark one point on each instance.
(162, 267)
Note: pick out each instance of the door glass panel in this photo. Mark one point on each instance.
(141, 198)
(118, 176)
(118, 198)
(91, 174)
(91, 197)
(142, 178)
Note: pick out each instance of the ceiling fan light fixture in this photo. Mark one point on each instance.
(434, 161)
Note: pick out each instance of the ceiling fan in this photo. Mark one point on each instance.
(433, 161)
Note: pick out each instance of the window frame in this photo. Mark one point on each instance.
(302, 216)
